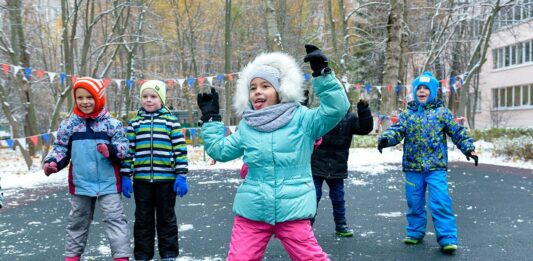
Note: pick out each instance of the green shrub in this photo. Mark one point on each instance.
(490, 135)
(366, 141)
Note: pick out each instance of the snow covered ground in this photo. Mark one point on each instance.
(14, 174)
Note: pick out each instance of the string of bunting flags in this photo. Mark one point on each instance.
(45, 137)
(448, 85)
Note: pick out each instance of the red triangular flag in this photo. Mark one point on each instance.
(107, 81)
(184, 133)
(34, 140)
(389, 88)
(201, 81)
(358, 86)
(6, 68)
(394, 119)
(230, 76)
(170, 83)
(140, 81)
(40, 74)
(74, 78)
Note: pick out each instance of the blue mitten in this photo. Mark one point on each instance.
(180, 185)
(127, 187)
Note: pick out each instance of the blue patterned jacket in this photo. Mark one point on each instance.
(425, 130)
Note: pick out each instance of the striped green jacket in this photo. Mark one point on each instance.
(157, 149)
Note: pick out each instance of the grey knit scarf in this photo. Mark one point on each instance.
(270, 118)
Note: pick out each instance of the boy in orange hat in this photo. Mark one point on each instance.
(93, 143)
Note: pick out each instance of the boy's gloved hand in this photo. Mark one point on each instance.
(317, 60)
(127, 187)
(472, 155)
(362, 105)
(208, 103)
(49, 168)
(382, 143)
(180, 185)
(103, 149)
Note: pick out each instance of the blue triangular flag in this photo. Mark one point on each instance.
(398, 89)
(192, 131)
(27, 72)
(307, 76)
(46, 138)
(62, 78)
(9, 143)
(190, 81)
(129, 83)
(368, 88)
(220, 77)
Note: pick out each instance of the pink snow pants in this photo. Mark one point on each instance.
(249, 240)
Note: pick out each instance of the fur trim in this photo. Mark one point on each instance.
(291, 84)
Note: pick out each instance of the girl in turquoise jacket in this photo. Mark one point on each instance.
(275, 138)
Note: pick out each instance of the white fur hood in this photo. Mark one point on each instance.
(291, 83)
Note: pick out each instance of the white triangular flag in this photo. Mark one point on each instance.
(52, 76)
(181, 81)
(117, 82)
(210, 79)
(22, 142)
(16, 69)
(232, 128)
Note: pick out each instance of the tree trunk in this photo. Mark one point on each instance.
(333, 30)
(227, 63)
(274, 41)
(14, 127)
(393, 55)
(20, 56)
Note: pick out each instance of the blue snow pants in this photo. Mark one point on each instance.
(440, 206)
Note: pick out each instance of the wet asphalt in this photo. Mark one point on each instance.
(493, 206)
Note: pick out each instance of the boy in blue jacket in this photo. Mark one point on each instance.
(424, 126)
(91, 143)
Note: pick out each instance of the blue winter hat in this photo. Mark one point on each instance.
(429, 81)
(269, 73)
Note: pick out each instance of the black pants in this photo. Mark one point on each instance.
(154, 210)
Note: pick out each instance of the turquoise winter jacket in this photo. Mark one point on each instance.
(279, 185)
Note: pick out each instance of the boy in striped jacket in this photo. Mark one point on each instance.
(157, 163)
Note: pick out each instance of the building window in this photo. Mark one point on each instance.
(525, 95)
(510, 97)
(513, 54)
(516, 96)
(531, 94)
(527, 52)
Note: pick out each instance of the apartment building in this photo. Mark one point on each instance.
(506, 78)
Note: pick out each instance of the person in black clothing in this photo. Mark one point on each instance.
(329, 161)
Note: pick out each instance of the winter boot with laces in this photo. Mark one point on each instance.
(343, 230)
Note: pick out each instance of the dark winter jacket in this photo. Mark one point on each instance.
(330, 159)
(425, 130)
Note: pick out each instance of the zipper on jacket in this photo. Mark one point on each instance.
(151, 148)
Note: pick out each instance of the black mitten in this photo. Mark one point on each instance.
(469, 156)
(208, 103)
(382, 143)
(317, 60)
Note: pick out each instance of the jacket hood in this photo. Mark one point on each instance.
(291, 82)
